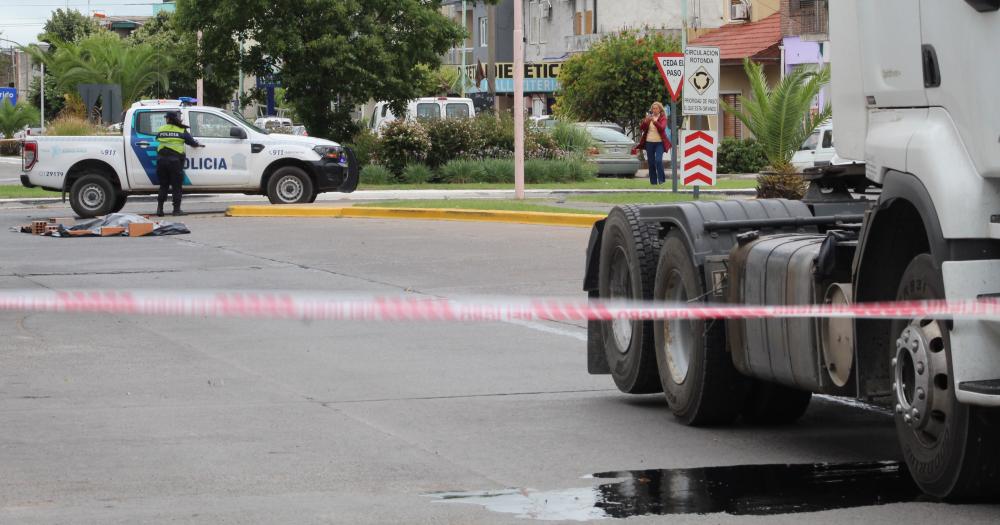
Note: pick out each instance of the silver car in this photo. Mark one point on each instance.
(612, 151)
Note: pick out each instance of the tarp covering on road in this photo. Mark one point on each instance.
(100, 226)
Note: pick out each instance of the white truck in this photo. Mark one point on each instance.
(914, 96)
(100, 172)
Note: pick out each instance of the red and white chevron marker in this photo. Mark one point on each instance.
(698, 157)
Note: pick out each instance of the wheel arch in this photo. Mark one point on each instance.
(903, 225)
(88, 166)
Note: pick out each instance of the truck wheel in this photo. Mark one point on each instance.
(289, 185)
(774, 404)
(699, 380)
(950, 448)
(119, 203)
(627, 271)
(92, 195)
(313, 197)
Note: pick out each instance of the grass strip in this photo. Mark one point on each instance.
(20, 192)
(638, 198)
(598, 184)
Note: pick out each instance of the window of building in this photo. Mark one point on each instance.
(484, 31)
(731, 126)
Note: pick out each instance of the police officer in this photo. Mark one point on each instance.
(172, 137)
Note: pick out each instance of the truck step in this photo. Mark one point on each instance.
(989, 387)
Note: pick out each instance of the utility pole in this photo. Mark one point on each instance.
(519, 99)
(491, 66)
(465, 29)
(200, 84)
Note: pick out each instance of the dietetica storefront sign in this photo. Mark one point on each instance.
(539, 77)
(701, 80)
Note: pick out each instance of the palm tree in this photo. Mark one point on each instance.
(104, 58)
(15, 117)
(780, 119)
(12, 119)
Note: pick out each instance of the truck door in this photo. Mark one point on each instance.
(140, 148)
(224, 160)
(959, 50)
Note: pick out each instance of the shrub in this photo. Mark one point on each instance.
(417, 174)
(70, 126)
(502, 171)
(375, 174)
(365, 144)
(450, 139)
(403, 142)
(570, 137)
(494, 133)
(774, 185)
(462, 171)
(741, 156)
(567, 170)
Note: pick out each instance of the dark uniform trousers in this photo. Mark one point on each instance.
(170, 171)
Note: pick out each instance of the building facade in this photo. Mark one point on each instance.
(806, 37)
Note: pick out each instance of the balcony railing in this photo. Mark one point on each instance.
(812, 19)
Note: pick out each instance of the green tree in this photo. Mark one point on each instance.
(103, 58)
(180, 47)
(14, 117)
(68, 25)
(331, 54)
(615, 80)
(780, 119)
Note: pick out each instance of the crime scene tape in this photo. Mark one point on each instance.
(345, 307)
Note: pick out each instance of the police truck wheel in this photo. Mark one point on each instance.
(289, 185)
(92, 195)
(119, 203)
(627, 269)
(699, 380)
(950, 448)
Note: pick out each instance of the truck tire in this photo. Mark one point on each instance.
(774, 404)
(627, 271)
(119, 203)
(289, 185)
(92, 195)
(950, 448)
(699, 380)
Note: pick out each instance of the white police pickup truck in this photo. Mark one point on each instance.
(101, 172)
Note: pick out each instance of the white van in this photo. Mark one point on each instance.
(817, 150)
(427, 107)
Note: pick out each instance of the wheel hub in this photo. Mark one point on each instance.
(621, 288)
(92, 196)
(920, 379)
(289, 188)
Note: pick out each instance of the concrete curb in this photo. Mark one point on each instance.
(578, 220)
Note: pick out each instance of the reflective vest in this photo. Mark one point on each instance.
(171, 137)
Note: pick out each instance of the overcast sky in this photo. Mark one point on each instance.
(22, 20)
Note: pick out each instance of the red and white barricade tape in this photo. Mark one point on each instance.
(340, 307)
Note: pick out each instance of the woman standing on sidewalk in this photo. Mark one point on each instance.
(653, 131)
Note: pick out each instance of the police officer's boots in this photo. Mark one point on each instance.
(159, 209)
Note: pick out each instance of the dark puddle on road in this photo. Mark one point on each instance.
(738, 490)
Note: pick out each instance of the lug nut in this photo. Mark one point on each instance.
(906, 418)
(921, 394)
(920, 367)
(916, 414)
(913, 344)
(899, 408)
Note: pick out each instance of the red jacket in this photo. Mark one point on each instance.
(661, 126)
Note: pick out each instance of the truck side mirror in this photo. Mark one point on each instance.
(237, 132)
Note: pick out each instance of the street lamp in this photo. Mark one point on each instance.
(41, 106)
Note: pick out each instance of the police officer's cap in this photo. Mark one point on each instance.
(174, 117)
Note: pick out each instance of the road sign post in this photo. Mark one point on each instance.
(701, 88)
(671, 66)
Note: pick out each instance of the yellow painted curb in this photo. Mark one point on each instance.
(439, 214)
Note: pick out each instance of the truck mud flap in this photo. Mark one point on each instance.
(353, 173)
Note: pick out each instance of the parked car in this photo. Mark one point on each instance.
(612, 151)
(273, 124)
(549, 122)
(817, 150)
(427, 107)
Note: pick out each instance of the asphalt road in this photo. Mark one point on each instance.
(109, 419)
